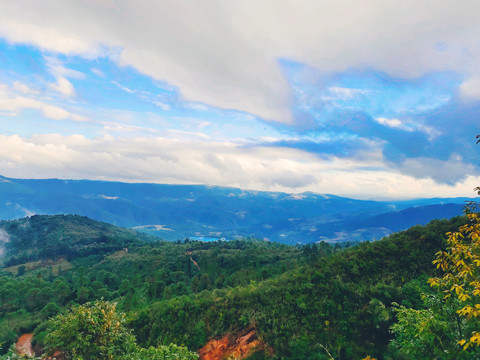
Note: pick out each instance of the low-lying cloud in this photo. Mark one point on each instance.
(274, 168)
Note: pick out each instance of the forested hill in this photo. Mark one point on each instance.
(61, 236)
(299, 301)
(178, 211)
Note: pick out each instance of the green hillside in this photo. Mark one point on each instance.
(302, 300)
(62, 236)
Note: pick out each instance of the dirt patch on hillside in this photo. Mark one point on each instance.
(237, 346)
(57, 266)
(24, 345)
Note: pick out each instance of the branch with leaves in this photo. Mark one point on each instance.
(461, 279)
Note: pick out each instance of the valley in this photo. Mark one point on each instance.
(176, 212)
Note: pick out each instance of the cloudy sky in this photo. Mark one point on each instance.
(368, 99)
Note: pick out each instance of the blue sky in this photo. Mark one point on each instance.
(369, 100)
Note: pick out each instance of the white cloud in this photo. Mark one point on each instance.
(170, 160)
(470, 89)
(60, 72)
(124, 88)
(63, 86)
(161, 105)
(444, 171)
(394, 123)
(225, 54)
(58, 69)
(24, 89)
(144, 95)
(97, 72)
(196, 106)
(118, 128)
(346, 93)
(13, 104)
(409, 125)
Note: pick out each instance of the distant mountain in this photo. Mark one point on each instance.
(179, 211)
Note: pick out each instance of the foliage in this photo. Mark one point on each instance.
(162, 352)
(431, 332)
(90, 331)
(96, 331)
(460, 263)
(13, 355)
(42, 237)
(448, 325)
(300, 299)
(316, 303)
(148, 272)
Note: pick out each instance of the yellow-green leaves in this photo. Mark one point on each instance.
(461, 267)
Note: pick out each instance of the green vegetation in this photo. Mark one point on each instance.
(448, 326)
(90, 331)
(114, 264)
(305, 302)
(339, 302)
(96, 331)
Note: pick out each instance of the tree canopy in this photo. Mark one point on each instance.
(96, 331)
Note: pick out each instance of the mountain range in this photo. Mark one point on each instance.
(209, 212)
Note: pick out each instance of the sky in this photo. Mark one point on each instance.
(366, 99)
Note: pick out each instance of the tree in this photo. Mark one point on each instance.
(50, 310)
(461, 279)
(95, 331)
(163, 352)
(448, 327)
(88, 332)
(21, 270)
(429, 333)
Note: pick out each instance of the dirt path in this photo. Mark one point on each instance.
(189, 253)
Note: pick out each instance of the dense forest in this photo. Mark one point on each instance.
(316, 301)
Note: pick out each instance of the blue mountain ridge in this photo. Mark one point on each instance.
(179, 211)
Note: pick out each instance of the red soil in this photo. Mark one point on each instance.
(237, 346)
(24, 345)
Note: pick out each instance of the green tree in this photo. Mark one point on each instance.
(83, 293)
(461, 279)
(429, 333)
(50, 310)
(91, 331)
(21, 270)
(163, 352)
(448, 327)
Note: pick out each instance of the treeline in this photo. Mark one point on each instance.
(304, 301)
